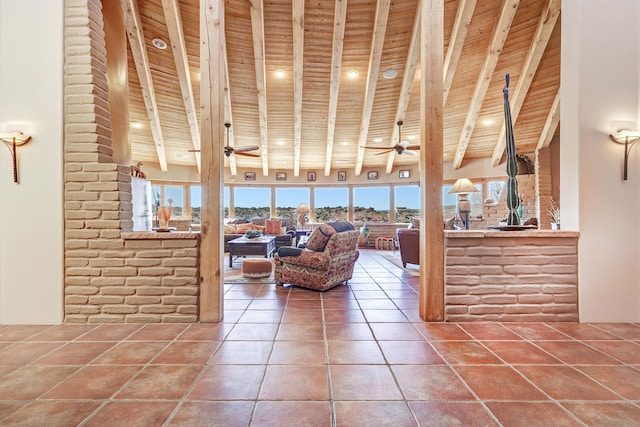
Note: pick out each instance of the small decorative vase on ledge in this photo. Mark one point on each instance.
(164, 215)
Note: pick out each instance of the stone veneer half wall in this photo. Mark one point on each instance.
(521, 276)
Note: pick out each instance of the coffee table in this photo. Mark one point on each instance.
(243, 246)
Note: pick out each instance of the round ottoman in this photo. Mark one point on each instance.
(257, 268)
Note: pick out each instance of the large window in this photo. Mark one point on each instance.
(196, 203)
(331, 204)
(252, 202)
(288, 199)
(407, 202)
(176, 194)
(226, 202)
(371, 204)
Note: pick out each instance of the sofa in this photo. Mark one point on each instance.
(284, 233)
(327, 261)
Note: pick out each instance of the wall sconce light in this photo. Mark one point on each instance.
(628, 138)
(13, 140)
(462, 188)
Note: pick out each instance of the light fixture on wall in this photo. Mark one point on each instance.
(628, 138)
(13, 140)
(462, 188)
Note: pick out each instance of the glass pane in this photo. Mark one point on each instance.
(495, 190)
(476, 201)
(407, 202)
(176, 194)
(288, 199)
(226, 202)
(155, 199)
(252, 202)
(371, 204)
(331, 204)
(196, 203)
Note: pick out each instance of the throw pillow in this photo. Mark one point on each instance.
(319, 238)
(244, 227)
(257, 227)
(272, 226)
(230, 229)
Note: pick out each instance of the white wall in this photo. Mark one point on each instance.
(600, 87)
(31, 222)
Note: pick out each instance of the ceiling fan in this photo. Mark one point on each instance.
(241, 151)
(400, 147)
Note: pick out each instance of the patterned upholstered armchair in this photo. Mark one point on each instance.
(323, 269)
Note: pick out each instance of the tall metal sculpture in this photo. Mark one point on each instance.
(513, 197)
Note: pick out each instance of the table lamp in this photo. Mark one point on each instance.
(462, 188)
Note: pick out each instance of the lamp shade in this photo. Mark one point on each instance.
(621, 135)
(303, 208)
(463, 186)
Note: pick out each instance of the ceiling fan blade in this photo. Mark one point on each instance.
(388, 150)
(412, 147)
(245, 148)
(378, 148)
(193, 151)
(246, 154)
(403, 144)
(410, 152)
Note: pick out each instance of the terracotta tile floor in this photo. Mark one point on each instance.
(356, 355)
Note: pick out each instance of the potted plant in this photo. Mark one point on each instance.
(554, 213)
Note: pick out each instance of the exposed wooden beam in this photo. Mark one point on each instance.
(546, 24)
(339, 21)
(500, 32)
(257, 29)
(411, 65)
(228, 116)
(551, 124)
(377, 42)
(432, 275)
(178, 46)
(212, 176)
(456, 42)
(141, 60)
(298, 52)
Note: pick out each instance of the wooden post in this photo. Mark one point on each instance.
(212, 177)
(431, 111)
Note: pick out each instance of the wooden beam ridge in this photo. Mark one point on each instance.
(141, 60)
(212, 176)
(228, 116)
(432, 273)
(500, 32)
(178, 46)
(339, 21)
(456, 43)
(298, 57)
(377, 42)
(411, 65)
(551, 124)
(545, 27)
(257, 29)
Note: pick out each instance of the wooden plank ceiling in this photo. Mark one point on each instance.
(317, 117)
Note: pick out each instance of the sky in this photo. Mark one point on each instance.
(375, 197)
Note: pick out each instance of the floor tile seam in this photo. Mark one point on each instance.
(551, 325)
(596, 325)
(601, 384)
(533, 344)
(605, 353)
(557, 357)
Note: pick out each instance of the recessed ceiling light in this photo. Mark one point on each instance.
(279, 73)
(389, 74)
(159, 43)
(136, 125)
(487, 122)
(281, 162)
(345, 143)
(352, 74)
(342, 162)
(377, 139)
(411, 137)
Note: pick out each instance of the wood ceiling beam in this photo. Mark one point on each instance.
(456, 43)
(178, 46)
(298, 56)
(500, 32)
(228, 116)
(379, 30)
(411, 65)
(339, 23)
(546, 24)
(139, 52)
(551, 124)
(257, 29)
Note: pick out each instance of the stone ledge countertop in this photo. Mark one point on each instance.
(153, 235)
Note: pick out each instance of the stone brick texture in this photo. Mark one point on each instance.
(107, 278)
(511, 279)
